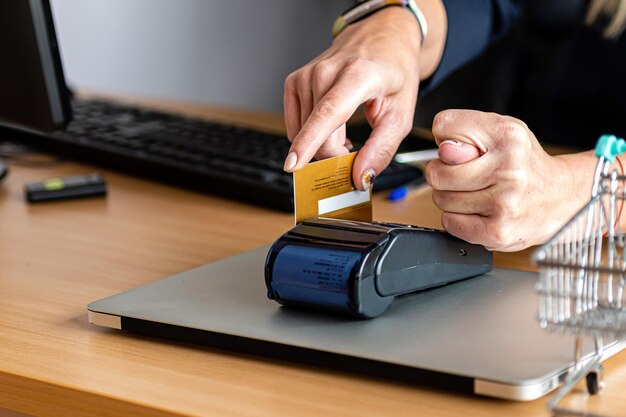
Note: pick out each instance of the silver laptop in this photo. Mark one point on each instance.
(479, 336)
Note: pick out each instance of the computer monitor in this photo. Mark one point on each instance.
(33, 94)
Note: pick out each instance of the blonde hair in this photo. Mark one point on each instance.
(612, 10)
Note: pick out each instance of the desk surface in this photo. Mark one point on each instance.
(56, 258)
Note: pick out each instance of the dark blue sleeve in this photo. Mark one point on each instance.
(472, 26)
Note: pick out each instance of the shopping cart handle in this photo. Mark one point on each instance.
(610, 146)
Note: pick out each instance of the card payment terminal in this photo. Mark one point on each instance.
(357, 268)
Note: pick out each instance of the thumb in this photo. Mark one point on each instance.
(377, 152)
(452, 152)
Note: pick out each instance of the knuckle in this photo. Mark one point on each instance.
(514, 133)
(446, 222)
(432, 176)
(459, 228)
(324, 152)
(439, 199)
(323, 70)
(508, 205)
(327, 107)
(400, 125)
(331, 147)
(444, 117)
(513, 175)
(360, 69)
(386, 152)
(519, 123)
(439, 121)
(501, 235)
(356, 63)
(321, 76)
(291, 81)
(451, 225)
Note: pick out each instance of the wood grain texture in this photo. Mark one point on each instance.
(56, 258)
(10, 413)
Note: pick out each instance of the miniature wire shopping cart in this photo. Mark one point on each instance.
(582, 274)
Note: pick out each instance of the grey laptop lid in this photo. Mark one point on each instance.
(478, 335)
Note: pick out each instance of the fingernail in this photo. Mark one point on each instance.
(290, 161)
(452, 142)
(367, 179)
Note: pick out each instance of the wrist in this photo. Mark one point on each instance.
(365, 8)
(402, 24)
(582, 170)
(571, 181)
(578, 169)
(433, 46)
(378, 35)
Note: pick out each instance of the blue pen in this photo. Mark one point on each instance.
(398, 193)
(402, 192)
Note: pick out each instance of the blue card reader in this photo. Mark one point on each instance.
(357, 268)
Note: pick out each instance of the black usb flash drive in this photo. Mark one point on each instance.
(66, 187)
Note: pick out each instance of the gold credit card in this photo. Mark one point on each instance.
(325, 189)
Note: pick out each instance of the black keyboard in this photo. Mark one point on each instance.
(239, 163)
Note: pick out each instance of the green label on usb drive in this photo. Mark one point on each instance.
(53, 184)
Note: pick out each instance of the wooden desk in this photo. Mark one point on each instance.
(56, 258)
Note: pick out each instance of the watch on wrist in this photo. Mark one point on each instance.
(365, 8)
